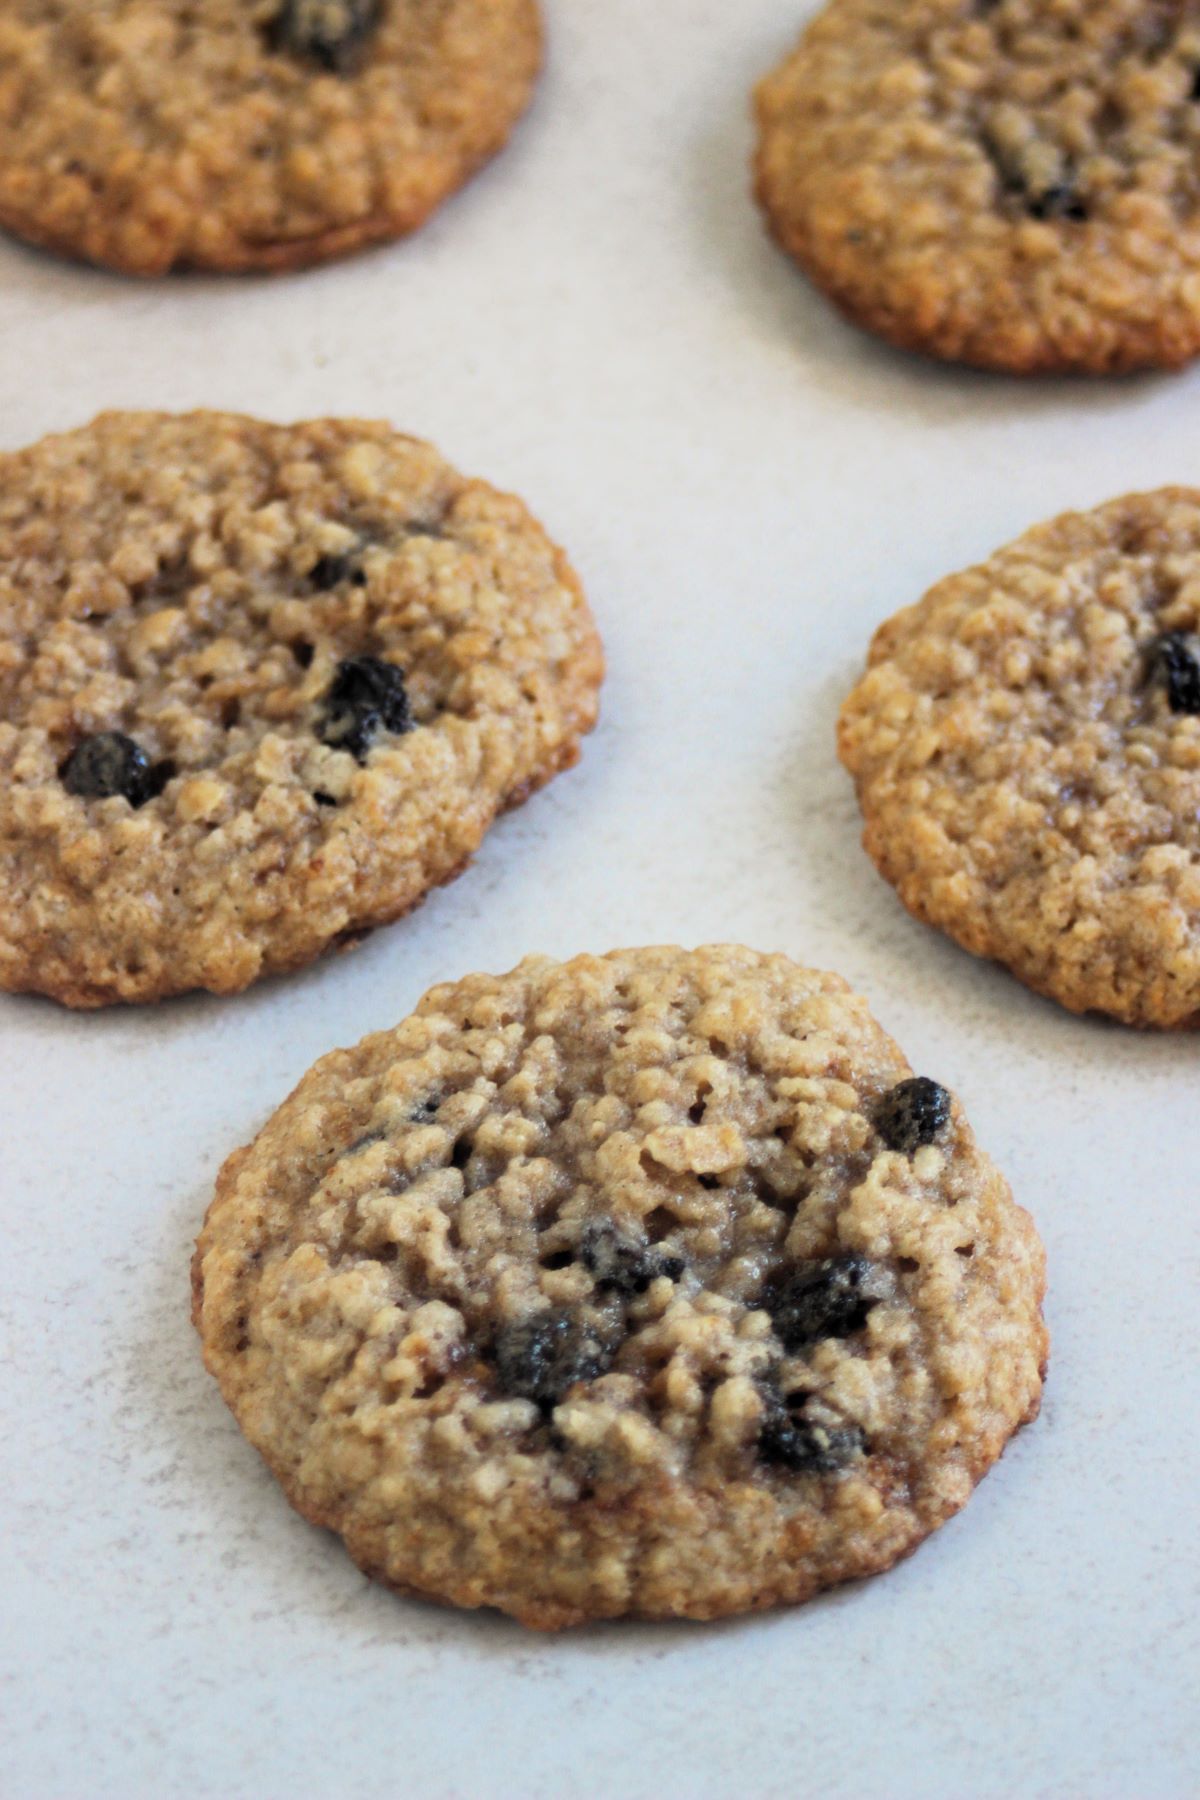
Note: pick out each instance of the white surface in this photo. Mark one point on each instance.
(747, 488)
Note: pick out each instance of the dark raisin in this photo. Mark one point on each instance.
(331, 32)
(912, 1113)
(821, 1300)
(541, 1358)
(622, 1263)
(804, 1446)
(330, 571)
(366, 696)
(1174, 663)
(324, 799)
(160, 774)
(106, 764)
(1194, 90)
(1061, 201)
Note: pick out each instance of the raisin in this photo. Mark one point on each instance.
(621, 1263)
(366, 696)
(541, 1358)
(912, 1113)
(1174, 662)
(805, 1446)
(1061, 201)
(821, 1300)
(108, 763)
(330, 571)
(331, 32)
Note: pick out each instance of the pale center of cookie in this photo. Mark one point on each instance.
(679, 1272)
(1069, 109)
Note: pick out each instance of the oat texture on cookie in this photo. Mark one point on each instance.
(997, 182)
(149, 135)
(650, 1284)
(1026, 748)
(261, 687)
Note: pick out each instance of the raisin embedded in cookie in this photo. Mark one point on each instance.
(148, 135)
(996, 182)
(261, 687)
(1026, 747)
(641, 1285)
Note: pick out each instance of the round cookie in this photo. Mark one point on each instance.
(1026, 747)
(996, 182)
(651, 1284)
(261, 687)
(148, 135)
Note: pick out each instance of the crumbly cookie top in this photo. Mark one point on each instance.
(1026, 745)
(1001, 181)
(645, 1283)
(148, 134)
(259, 686)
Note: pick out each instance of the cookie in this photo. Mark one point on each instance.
(652, 1284)
(261, 687)
(1026, 747)
(996, 182)
(149, 135)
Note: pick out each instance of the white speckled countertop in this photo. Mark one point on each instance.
(748, 488)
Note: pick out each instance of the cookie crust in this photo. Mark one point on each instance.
(196, 582)
(629, 1154)
(1003, 184)
(155, 136)
(1026, 783)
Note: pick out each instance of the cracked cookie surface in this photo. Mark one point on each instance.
(147, 135)
(261, 687)
(595, 1290)
(1026, 748)
(996, 182)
